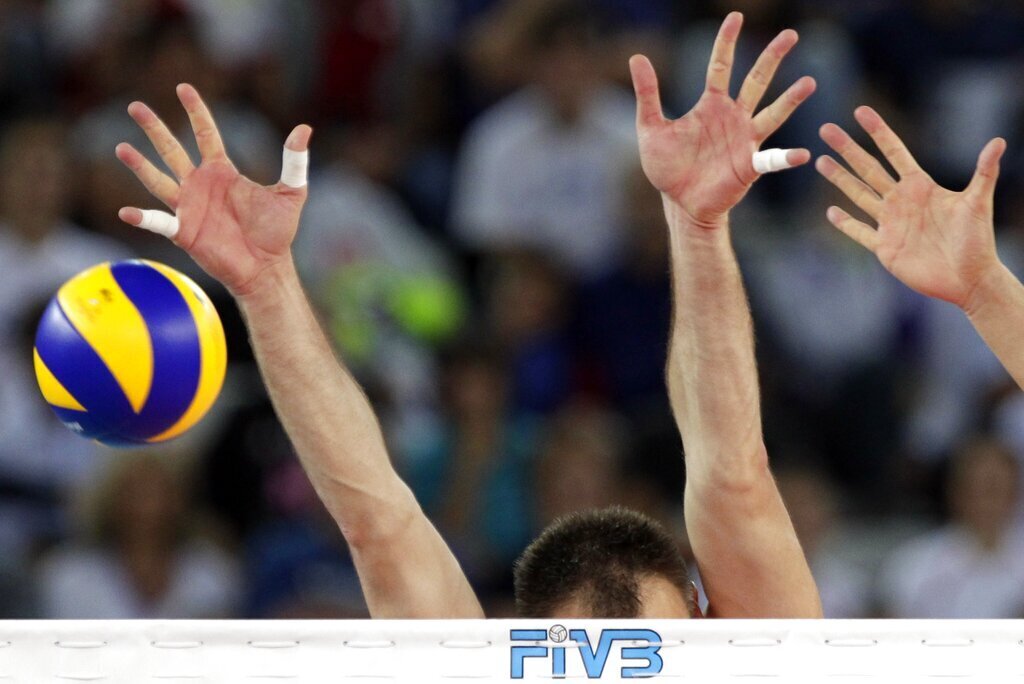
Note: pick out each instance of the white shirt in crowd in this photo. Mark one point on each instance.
(526, 179)
(79, 584)
(947, 574)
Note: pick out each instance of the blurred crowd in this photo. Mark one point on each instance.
(492, 265)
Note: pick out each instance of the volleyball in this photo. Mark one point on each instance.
(129, 353)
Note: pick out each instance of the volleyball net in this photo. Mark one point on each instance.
(510, 650)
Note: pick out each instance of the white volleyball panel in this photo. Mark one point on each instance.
(703, 651)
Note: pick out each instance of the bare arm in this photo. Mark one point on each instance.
(749, 557)
(241, 234)
(938, 242)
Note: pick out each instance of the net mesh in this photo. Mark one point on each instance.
(510, 650)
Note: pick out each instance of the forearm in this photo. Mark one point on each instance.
(406, 569)
(750, 559)
(322, 408)
(996, 309)
(712, 375)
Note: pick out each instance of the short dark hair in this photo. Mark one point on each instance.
(599, 558)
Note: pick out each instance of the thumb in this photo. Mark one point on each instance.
(295, 158)
(983, 185)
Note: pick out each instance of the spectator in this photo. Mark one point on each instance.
(579, 463)
(297, 564)
(543, 167)
(165, 52)
(471, 476)
(811, 499)
(391, 294)
(834, 323)
(40, 248)
(623, 316)
(526, 303)
(144, 556)
(973, 566)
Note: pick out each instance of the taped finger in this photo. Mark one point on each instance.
(294, 168)
(159, 222)
(769, 161)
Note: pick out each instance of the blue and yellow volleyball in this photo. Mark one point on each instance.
(129, 353)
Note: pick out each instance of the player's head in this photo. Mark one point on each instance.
(609, 563)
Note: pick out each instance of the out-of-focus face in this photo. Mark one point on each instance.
(526, 298)
(34, 177)
(476, 389)
(567, 72)
(810, 504)
(648, 239)
(578, 467)
(149, 502)
(574, 478)
(659, 600)
(984, 491)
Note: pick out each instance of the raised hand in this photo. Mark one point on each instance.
(703, 161)
(234, 228)
(939, 242)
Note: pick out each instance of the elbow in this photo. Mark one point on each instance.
(742, 477)
(378, 521)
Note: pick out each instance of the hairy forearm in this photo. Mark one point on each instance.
(712, 376)
(996, 309)
(324, 411)
(748, 553)
(406, 569)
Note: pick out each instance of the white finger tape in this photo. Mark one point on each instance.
(159, 222)
(767, 161)
(293, 168)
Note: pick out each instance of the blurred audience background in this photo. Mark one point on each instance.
(492, 265)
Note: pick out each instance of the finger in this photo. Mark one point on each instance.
(164, 142)
(769, 161)
(207, 136)
(984, 182)
(858, 231)
(771, 118)
(645, 84)
(888, 142)
(157, 182)
(760, 77)
(866, 166)
(153, 220)
(722, 54)
(851, 186)
(295, 158)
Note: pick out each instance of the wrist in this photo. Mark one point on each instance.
(682, 218)
(268, 282)
(994, 282)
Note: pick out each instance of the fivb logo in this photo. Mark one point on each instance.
(639, 653)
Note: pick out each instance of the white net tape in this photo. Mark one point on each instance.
(179, 652)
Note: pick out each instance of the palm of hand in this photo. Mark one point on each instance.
(232, 226)
(702, 161)
(934, 240)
